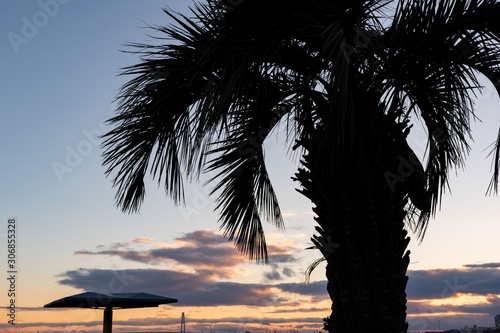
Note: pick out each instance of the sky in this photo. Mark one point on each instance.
(59, 77)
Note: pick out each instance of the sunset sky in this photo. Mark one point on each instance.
(58, 80)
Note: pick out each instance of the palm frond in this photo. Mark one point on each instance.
(220, 82)
(430, 56)
(311, 268)
(188, 95)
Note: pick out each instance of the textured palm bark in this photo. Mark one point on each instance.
(360, 215)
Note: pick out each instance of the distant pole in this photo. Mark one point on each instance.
(183, 324)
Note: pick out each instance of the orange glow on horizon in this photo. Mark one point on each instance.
(300, 316)
(458, 299)
(461, 299)
(438, 314)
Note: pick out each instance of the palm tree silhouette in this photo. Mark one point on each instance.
(348, 79)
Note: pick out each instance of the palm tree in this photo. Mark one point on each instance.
(347, 80)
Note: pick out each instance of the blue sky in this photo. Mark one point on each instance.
(58, 84)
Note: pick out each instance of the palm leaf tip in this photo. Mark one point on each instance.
(311, 268)
(493, 185)
(249, 243)
(130, 197)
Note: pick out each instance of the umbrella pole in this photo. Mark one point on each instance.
(108, 320)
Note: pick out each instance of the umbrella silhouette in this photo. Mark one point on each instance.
(108, 302)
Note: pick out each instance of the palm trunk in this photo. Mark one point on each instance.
(360, 216)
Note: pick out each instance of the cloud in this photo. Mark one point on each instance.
(192, 289)
(272, 276)
(45, 324)
(435, 297)
(281, 254)
(260, 320)
(443, 283)
(317, 288)
(485, 265)
(203, 257)
(224, 324)
(490, 306)
(449, 321)
(301, 310)
(119, 245)
(201, 250)
(275, 274)
(203, 237)
(200, 256)
(132, 280)
(194, 267)
(288, 272)
(142, 240)
(453, 297)
(124, 254)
